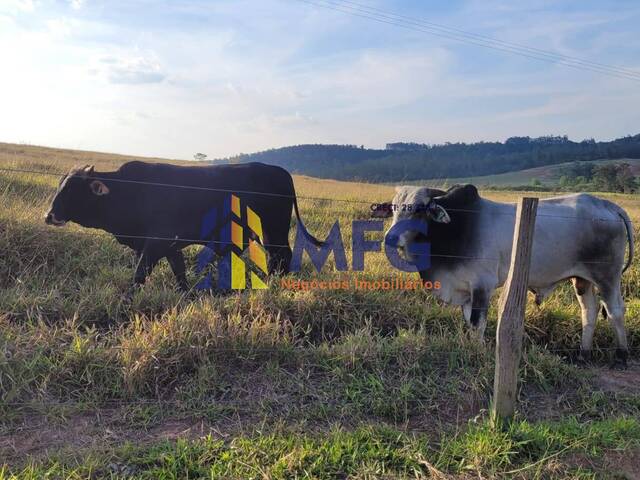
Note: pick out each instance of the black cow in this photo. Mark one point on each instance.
(158, 209)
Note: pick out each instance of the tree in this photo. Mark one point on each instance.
(578, 169)
(200, 157)
(626, 180)
(615, 178)
(605, 178)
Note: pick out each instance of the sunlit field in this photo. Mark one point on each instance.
(280, 383)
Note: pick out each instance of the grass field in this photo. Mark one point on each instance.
(278, 383)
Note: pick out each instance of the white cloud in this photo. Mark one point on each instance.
(59, 27)
(76, 4)
(131, 70)
(17, 6)
(244, 75)
(382, 79)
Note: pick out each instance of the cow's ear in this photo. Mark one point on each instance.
(99, 188)
(438, 213)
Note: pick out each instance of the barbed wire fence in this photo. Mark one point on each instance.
(326, 200)
(271, 194)
(372, 204)
(204, 241)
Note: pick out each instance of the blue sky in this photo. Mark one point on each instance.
(171, 78)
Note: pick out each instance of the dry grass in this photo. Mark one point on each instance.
(296, 360)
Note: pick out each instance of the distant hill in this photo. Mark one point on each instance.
(414, 161)
(547, 176)
(324, 161)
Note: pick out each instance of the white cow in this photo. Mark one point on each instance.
(578, 237)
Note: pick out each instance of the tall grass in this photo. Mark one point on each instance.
(71, 340)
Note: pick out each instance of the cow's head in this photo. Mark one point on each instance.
(411, 208)
(78, 197)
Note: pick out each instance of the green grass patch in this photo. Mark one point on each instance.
(529, 450)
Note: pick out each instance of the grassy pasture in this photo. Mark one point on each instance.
(279, 383)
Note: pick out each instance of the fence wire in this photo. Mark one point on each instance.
(205, 241)
(324, 199)
(313, 198)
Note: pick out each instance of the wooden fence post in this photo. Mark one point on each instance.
(513, 302)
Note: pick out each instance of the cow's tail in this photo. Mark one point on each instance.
(629, 228)
(305, 232)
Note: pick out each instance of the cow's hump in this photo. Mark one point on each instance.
(459, 196)
(133, 169)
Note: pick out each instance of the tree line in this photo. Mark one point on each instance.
(414, 161)
(609, 177)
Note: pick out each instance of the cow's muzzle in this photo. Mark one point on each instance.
(396, 241)
(392, 239)
(50, 219)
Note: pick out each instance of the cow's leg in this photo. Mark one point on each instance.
(279, 260)
(146, 264)
(614, 305)
(589, 312)
(176, 261)
(207, 256)
(475, 311)
(466, 312)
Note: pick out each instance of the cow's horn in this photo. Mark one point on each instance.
(87, 170)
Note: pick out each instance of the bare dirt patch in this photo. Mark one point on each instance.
(98, 431)
(624, 464)
(619, 381)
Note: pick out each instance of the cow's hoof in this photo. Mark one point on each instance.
(477, 337)
(128, 295)
(584, 357)
(579, 358)
(131, 291)
(620, 359)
